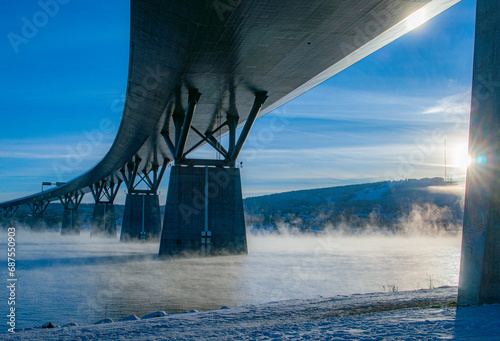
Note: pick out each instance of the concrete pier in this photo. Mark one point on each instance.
(38, 223)
(204, 212)
(480, 262)
(103, 220)
(37, 219)
(141, 219)
(70, 222)
(7, 216)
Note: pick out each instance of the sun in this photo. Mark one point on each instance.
(462, 158)
(416, 19)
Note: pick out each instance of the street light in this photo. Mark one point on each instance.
(57, 184)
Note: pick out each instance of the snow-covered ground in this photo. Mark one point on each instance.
(410, 315)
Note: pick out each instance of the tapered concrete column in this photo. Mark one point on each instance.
(204, 212)
(37, 210)
(480, 262)
(70, 222)
(141, 218)
(103, 220)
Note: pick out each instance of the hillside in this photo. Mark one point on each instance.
(426, 203)
(388, 205)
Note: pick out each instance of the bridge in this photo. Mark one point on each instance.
(200, 70)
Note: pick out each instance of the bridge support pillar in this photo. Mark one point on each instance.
(71, 222)
(480, 263)
(8, 216)
(204, 209)
(141, 218)
(103, 219)
(38, 209)
(204, 212)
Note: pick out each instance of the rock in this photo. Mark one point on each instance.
(50, 325)
(153, 315)
(224, 307)
(130, 318)
(193, 311)
(71, 324)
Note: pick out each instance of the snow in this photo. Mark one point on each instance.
(373, 194)
(410, 315)
(153, 315)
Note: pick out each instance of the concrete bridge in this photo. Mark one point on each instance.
(200, 70)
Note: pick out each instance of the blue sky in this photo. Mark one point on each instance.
(384, 118)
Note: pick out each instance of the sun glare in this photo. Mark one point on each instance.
(462, 158)
(416, 19)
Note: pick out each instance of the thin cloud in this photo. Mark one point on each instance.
(336, 103)
(458, 104)
(55, 148)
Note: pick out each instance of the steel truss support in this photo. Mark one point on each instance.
(8, 215)
(204, 209)
(38, 209)
(229, 155)
(103, 219)
(71, 221)
(9, 212)
(105, 191)
(141, 218)
(182, 122)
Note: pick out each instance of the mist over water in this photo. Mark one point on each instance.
(81, 279)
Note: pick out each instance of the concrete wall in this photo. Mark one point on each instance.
(70, 222)
(203, 199)
(480, 263)
(103, 220)
(142, 212)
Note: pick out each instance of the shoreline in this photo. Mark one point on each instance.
(425, 313)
